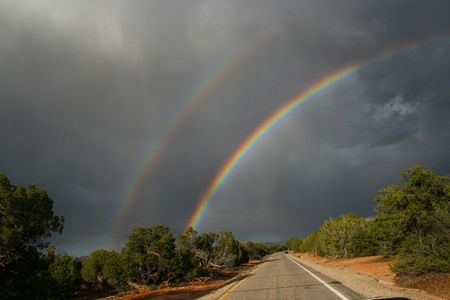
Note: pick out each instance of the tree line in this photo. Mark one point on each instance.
(32, 269)
(412, 224)
(153, 255)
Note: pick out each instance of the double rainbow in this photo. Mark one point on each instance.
(155, 150)
(287, 109)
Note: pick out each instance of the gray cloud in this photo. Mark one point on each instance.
(86, 88)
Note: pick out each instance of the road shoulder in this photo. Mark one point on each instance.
(219, 292)
(364, 284)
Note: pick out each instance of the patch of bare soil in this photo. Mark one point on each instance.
(188, 291)
(434, 283)
(378, 267)
(375, 266)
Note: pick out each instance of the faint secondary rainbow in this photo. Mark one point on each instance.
(160, 143)
(327, 82)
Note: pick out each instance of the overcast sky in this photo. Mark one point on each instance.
(88, 87)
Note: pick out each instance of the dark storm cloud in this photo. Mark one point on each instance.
(85, 88)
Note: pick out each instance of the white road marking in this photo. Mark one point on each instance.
(320, 280)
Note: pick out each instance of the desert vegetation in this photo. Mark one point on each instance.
(32, 269)
(153, 255)
(412, 224)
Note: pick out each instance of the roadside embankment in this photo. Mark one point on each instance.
(369, 276)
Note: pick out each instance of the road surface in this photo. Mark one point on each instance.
(282, 277)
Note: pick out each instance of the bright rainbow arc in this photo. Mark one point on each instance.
(156, 148)
(288, 108)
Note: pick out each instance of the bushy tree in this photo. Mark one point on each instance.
(118, 270)
(26, 220)
(243, 254)
(363, 242)
(414, 222)
(154, 248)
(187, 266)
(277, 248)
(205, 248)
(92, 267)
(337, 234)
(226, 250)
(193, 254)
(294, 244)
(65, 271)
(345, 236)
(255, 250)
(188, 240)
(312, 244)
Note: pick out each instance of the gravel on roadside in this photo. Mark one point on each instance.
(364, 284)
(360, 283)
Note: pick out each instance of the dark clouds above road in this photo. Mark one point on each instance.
(86, 88)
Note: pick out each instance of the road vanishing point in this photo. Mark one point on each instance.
(283, 277)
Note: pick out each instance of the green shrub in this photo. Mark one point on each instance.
(417, 264)
(414, 222)
(363, 242)
(65, 271)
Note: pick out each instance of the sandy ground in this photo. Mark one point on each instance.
(373, 268)
(429, 286)
(370, 276)
(188, 291)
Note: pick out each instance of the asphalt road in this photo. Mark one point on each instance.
(282, 277)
